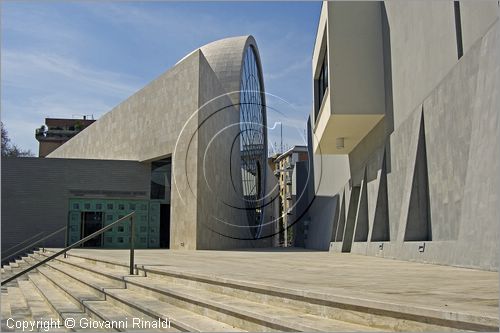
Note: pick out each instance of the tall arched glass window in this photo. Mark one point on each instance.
(252, 139)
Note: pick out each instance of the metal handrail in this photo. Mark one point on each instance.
(38, 241)
(23, 242)
(83, 240)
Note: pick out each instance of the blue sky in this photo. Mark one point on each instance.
(65, 59)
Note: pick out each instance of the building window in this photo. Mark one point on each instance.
(321, 84)
(252, 138)
(160, 179)
(458, 29)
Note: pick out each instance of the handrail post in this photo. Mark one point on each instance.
(132, 244)
(66, 242)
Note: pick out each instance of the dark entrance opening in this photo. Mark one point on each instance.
(164, 226)
(91, 222)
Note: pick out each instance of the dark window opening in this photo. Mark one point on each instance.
(321, 84)
(91, 222)
(164, 226)
(160, 179)
(458, 28)
(258, 178)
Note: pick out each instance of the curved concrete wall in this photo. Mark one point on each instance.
(185, 113)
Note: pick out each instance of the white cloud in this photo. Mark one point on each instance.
(290, 69)
(38, 85)
(51, 66)
(36, 70)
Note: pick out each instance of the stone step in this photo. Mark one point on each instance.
(181, 319)
(364, 312)
(66, 307)
(233, 302)
(109, 273)
(5, 304)
(237, 311)
(95, 281)
(19, 308)
(14, 268)
(90, 263)
(82, 287)
(38, 306)
(73, 288)
(109, 277)
(101, 309)
(124, 320)
(6, 314)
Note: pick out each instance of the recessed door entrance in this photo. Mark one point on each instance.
(91, 222)
(165, 226)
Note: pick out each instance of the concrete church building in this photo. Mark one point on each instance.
(188, 153)
(405, 130)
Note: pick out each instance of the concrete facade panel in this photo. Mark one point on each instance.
(404, 143)
(447, 114)
(478, 237)
(462, 129)
(146, 125)
(357, 87)
(476, 18)
(422, 52)
(222, 220)
(324, 165)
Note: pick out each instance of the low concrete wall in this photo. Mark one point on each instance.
(36, 192)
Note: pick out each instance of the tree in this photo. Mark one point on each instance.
(11, 150)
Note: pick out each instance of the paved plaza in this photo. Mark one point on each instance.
(422, 287)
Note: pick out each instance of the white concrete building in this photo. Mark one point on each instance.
(405, 130)
(200, 128)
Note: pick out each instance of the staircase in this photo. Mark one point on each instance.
(94, 294)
